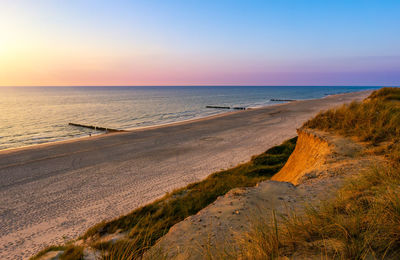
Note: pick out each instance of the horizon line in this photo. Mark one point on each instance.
(204, 85)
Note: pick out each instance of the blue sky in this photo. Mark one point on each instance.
(287, 42)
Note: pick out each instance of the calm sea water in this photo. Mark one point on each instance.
(41, 114)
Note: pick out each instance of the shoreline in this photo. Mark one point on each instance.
(141, 128)
(156, 126)
(56, 191)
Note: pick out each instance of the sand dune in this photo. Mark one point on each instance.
(314, 172)
(54, 192)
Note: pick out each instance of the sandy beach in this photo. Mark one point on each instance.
(52, 193)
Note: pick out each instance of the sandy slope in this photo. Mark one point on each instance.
(49, 193)
(318, 167)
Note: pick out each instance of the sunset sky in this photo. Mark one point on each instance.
(202, 42)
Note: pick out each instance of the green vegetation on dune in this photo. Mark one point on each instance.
(145, 225)
(71, 252)
(386, 94)
(149, 223)
(376, 120)
(363, 220)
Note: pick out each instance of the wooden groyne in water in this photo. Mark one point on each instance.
(221, 107)
(285, 100)
(98, 128)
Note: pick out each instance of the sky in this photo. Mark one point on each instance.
(199, 42)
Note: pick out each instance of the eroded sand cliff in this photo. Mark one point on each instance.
(313, 173)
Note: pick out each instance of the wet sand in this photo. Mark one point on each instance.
(53, 192)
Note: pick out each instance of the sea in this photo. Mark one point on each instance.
(35, 115)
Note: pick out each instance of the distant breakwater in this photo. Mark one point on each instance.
(222, 107)
(97, 128)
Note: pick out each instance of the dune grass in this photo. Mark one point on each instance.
(149, 223)
(71, 252)
(145, 225)
(363, 220)
(375, 120)
(386, 94)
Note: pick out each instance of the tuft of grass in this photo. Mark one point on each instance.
(124, 249)
(147, 224)
(46, 250)
(386, 94)
(70, 252)
(362, 221)
(375, 120)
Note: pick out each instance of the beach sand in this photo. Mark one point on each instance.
(52, 193)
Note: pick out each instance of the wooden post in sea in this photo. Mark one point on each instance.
(96, 128)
